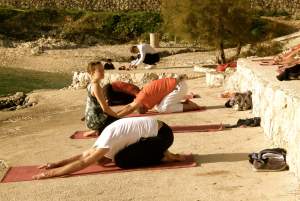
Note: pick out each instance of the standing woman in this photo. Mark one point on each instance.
(98, 114)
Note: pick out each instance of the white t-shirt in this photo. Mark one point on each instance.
(124, 132)
(143, 49)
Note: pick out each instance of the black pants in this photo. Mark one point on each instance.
(116, 98)
(147, 151)
(151, 59)
(290, 73)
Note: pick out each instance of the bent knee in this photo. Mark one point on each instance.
(170, 108)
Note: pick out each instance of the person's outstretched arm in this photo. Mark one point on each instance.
(61, 163)
(88, 158)
(98, 92)
(128, 109)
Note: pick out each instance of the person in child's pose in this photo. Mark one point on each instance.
(129, 142)
(165, 95)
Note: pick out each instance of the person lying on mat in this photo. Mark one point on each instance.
(129, 142)
(120, 93)
(98, 114)
(165, 94)
(145, 54)
(287, 58)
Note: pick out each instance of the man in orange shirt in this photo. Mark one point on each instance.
(165, 95)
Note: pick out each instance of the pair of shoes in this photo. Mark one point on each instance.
(150, 67)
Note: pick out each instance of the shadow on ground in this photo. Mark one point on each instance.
(222, 157)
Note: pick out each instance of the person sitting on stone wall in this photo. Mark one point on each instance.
(286, 59)
(129, 142)
(165, 94)
(145, 54)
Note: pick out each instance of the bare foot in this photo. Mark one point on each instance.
(90, 133)
(190, 106)
(170, 157)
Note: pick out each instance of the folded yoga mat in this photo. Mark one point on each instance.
(156, 113)
(175, 129)
(25, 173)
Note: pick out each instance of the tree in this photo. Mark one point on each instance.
(220, 22)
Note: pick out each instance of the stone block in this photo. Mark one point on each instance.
(277, 103)
(214, 79)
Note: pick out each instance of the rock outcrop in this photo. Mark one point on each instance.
(17, 101)
(82, 79)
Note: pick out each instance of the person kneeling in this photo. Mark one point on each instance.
(165, 95)
(130, 143)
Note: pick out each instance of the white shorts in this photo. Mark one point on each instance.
(172, 102)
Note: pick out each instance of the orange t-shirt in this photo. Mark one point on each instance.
(125, 87)
(153, 92)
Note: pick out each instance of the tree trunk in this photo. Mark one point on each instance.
(238, 50)
(222, 56)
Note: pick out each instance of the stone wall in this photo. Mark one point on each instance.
(277, 103)
(95, 5)
(80, 80)
(290, 6)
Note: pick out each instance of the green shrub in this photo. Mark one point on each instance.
(76, 26)
(264, 49)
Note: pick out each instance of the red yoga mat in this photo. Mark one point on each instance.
(176, 129)
(156, 113)
(25, 173)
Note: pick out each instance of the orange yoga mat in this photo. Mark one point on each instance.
(156, 113)
(176, 129)
(25, 173)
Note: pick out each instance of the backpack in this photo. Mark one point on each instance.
(240, 101)
(269, 160)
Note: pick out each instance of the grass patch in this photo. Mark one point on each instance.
(14, 79)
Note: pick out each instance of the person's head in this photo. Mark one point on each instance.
(181, 77)
(142, 109)
(134, 49)
(96, 70)
(109, 61)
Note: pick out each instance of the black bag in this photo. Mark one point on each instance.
(292, 73)
(269, 160)
(252, 122)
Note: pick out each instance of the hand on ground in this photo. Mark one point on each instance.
(48, 166)
(44, 175)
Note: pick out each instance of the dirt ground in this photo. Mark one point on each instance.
(77, 59)
(41, 134)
